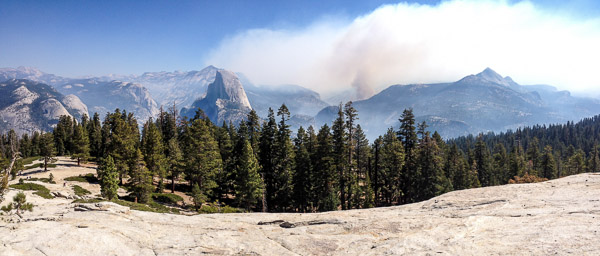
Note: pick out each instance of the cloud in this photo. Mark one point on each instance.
(411, 43)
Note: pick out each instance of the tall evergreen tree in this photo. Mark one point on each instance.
(410, 171)
(81, 148)
(548, 165)
(284, 162)
(248, 184)
(201, 156)
(47, 150)
(302, 174)
(153, 152)
(340, 149)
(267, 157)
(324, 179)
(109, 178)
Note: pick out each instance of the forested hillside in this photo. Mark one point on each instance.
(262, 167)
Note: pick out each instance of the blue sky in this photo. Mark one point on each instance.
(323, 45)
(99, 37)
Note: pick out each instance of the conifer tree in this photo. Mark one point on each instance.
(81, 149)
(253, 125)
(153, 151)
(267, 157)
(324, 177)
(284, 162)
(362, 156)
(392, 163)
(94, 129)
(141, 180)
(47, 150)
(340, 149)
(500, 164)
(548, 165)
(201, 156)
(248, 184)
(109, 178)
(174, 161)
(484, 163)
(302, 174)
(410, 175)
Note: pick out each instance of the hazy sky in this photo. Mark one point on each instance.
(323, 45)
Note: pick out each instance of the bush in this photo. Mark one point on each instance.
(215, 208)
(80, 191)
(89, 178)
(46, 180)
(166, 198)
(527, 178)
(40, 190)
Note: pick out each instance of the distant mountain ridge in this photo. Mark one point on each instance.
(476, 103)
(27, 106)
(99, 95)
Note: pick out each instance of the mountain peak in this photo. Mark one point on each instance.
(227, 86)
(490, 75)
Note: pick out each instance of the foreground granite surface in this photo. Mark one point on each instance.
(556, 217)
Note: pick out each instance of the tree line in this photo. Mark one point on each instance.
(261, 165)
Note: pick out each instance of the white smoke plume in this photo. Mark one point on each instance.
(411, 43)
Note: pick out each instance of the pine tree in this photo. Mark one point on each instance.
(81, 148)
(351, 176)
(63, 133)
(410, 173)
(457, 168)
(284, 162)
(174, 161)
(46, 147)
(340, 150)
(267, 157)
(141, 180)
(500, 165)
(324, 176)
(484, 163)
(201, 156)
(109, 178)
(153, 151)
(434, 181)
(548, 165)
(248, 184)
(253, 124)
(94, 129)
(392, 163)
(302, 174)
(361, 156)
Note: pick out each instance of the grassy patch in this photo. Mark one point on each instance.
(46, 180)
(30, 160)
(80, 191)
(40, 190)
(212, 208)
(89, 178)
(150, 207)
(39, 165)
(166, 198)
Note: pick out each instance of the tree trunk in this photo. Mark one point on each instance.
(45, 164)
(172, 184)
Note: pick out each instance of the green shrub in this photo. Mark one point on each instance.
(214, 208)
(80, 191)
(40, 190)
(46, 180)
(166, 198)
(89, 178)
